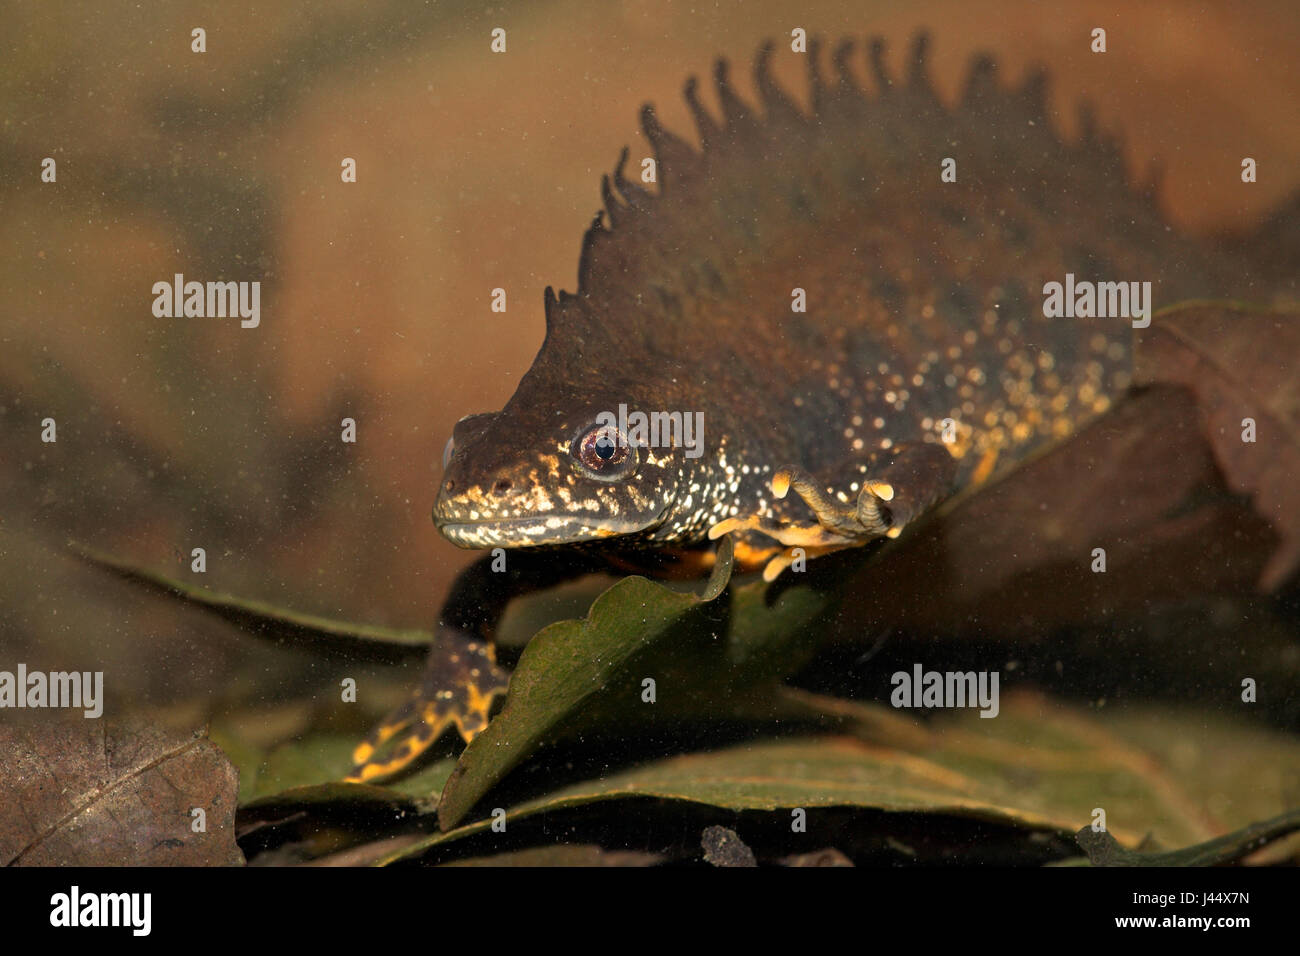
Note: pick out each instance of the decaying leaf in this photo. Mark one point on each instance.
(1104, 850)
(1013, 559)
(99, 793)
(1241, 363)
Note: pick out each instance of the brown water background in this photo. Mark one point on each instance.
(475, 171)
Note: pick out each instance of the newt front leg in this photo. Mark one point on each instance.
(461, 676)
(879, 496)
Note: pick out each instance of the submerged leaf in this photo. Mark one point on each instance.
(99, 793)
(1011, 560)
(1038, 767)
(1104, 850)
(563, 667)
(309, 771)
(359, 642)
(710, 656)
(1241, 363)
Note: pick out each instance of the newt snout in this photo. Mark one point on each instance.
(512, 481)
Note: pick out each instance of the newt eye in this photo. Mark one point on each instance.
(447, 451)
(605, 452)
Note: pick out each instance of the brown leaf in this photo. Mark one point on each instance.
(99, 793)
(1104, 850)
(1014, 557)
(1241, 363)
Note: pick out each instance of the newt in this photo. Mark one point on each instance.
(860, 334)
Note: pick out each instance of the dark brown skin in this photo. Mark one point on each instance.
(823, 428)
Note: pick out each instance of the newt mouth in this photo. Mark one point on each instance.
(535, 531)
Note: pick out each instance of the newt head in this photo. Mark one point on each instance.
(515, 479)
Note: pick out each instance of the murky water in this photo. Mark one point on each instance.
(378, 171)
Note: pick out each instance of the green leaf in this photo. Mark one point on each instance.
(357, 642)
(309, 771)
(779, 775)
(708, 657)
(1037, 766)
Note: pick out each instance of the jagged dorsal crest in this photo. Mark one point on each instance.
(648, 251)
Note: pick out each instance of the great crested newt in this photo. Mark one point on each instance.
(851, 300)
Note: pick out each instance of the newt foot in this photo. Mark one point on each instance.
(461, 680)
(899, 486)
